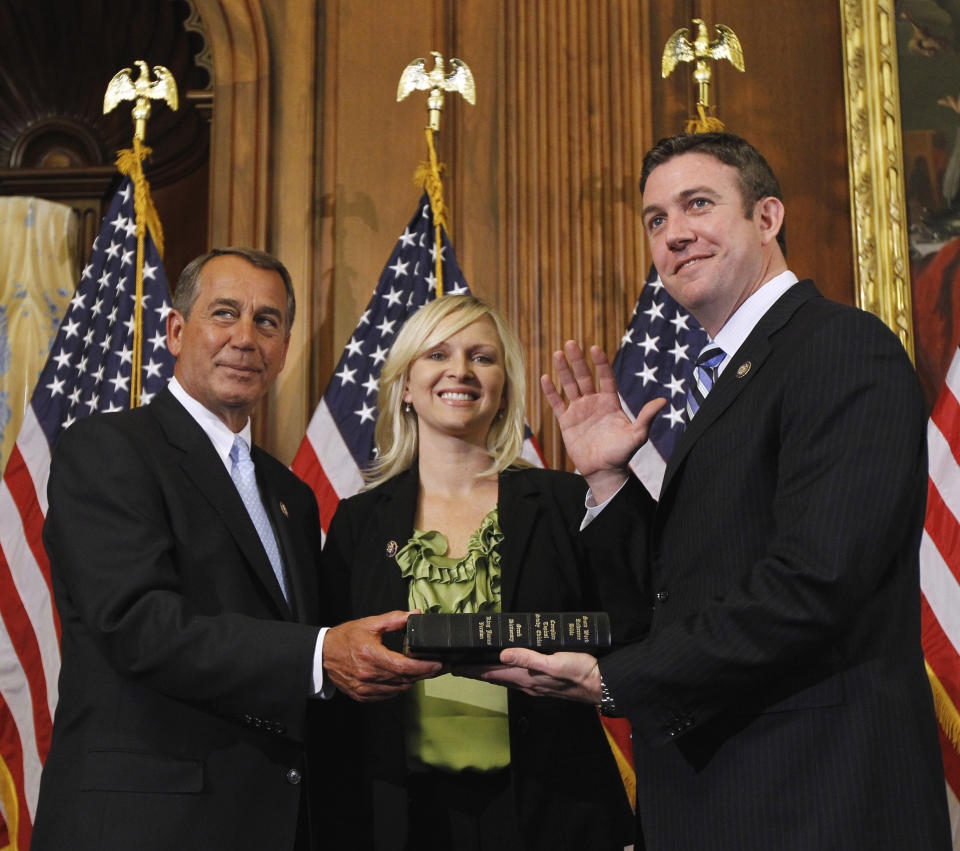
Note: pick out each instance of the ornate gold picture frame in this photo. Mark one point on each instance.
(874, 144)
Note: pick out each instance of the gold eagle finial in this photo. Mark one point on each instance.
(141, 91)
(679, 48)
(459, 79)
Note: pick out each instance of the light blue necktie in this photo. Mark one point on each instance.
(245, 478)
(704, 375)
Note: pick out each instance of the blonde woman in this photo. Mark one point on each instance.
(454, 520)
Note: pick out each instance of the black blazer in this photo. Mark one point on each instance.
(185, 675)
(566, 785)
(780, 700)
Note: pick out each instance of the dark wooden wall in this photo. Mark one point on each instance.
(543, 170)
(312, 157)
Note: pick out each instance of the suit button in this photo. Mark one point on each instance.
(293, 777)
(523, 724)
(663, 595)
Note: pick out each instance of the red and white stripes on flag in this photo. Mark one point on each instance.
(29, 630)
(940, 580)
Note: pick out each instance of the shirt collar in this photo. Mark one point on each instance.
(216, 429)
(738, 327)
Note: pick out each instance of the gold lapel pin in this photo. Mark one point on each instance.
(392, 548)
(743, 369)
(283, 509)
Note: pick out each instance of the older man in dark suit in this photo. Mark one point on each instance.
(779, 700)
(185, 569)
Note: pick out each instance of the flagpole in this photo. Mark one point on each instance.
(427, 176)
(130, 163)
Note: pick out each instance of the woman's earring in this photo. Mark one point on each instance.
(407, 407)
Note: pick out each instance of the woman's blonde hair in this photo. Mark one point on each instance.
(396, 430)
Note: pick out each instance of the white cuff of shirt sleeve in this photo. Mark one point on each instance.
(593, 510)
(321, 689)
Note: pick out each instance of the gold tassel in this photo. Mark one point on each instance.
(427, 176)
(130, 164)
(704, 123)
(947, 713)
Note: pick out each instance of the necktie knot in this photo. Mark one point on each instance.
(240, 452)
(711, 356)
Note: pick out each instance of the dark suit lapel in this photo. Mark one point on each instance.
(393, 525)
(204, 468)
(746, 364)
(517, 509)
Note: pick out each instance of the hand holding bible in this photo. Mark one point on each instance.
(571, 676)
(357, 662)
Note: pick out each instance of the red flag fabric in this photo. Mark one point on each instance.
(940, 580)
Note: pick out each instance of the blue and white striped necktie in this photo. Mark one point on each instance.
(244, 477)
(704, 376)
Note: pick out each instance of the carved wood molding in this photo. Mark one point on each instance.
(879, 212)
(239, 136)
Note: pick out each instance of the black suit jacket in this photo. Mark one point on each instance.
(780, 699)
(183, 689)
(566, 785)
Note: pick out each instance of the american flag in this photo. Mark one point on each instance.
(940, 580)
(338, 444)
(88, 370)
(655, 360)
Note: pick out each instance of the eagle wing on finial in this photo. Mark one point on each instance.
(677, 49)
(123, 87)
(164, 87)
(119, 89)
(727, 46)
(414, 77)
(460, 79)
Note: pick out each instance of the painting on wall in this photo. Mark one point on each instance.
(928, 61)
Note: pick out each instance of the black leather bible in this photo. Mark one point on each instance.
(480, 637)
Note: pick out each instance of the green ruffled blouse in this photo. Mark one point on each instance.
(453, 723)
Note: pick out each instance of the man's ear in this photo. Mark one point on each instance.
(768, 214)
(175, 322)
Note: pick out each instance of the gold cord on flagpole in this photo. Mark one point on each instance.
(428, 177)
(130, 163)
(460, 79)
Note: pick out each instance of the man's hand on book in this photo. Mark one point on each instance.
(571, 676)
(357, 662)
